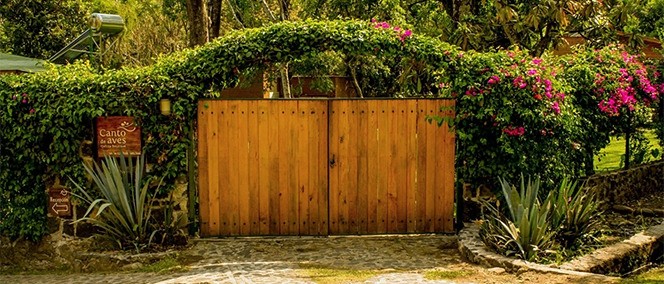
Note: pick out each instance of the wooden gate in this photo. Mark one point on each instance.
(319, 167)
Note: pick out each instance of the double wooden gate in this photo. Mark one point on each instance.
(321, 167)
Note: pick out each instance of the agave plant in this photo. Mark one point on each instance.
(525, 231)
(124, 208)
(573, 211)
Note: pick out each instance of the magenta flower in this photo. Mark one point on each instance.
(493, 80)
(24, 101)
(556, 107)
(532, 72)
(514, 131)
(537, 61)
(32, 110)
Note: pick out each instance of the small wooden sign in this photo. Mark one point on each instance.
(59, 203)
(117, 134)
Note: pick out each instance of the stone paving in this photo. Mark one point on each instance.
(400, 259)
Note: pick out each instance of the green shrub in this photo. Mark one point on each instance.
(574, 211)
(616, 93)
(123, 212)
(525, 231)
(535, 222)
(513, 115)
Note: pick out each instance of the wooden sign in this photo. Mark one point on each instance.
(117, 134)
(59, 203)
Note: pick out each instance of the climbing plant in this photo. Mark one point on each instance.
(47, 116)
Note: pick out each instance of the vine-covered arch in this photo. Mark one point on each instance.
(46, 117)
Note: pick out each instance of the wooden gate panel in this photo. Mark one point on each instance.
(392, 170)
(257, 174)
(266, 167)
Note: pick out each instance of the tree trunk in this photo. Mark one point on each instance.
(285, 9)
(215, 18)
(198, 22)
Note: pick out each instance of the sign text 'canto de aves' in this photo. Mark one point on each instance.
(118, 134)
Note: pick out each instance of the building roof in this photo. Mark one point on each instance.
(16, 64)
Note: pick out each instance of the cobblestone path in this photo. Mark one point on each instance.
(392, 259)
(280, 260)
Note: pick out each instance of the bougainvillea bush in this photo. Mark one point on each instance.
(514, 116)
(615, 92)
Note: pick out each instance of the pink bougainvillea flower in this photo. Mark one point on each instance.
(514, 131)
(556, 107)
(24, 101)
(537, 61)
(493, 80)
(32, 110)
(548, 95)
(373, 20)
(532, 72)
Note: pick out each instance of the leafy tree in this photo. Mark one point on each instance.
(39, 28)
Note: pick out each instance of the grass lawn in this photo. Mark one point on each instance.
(609, 158)
(327, 275)
(652, 276)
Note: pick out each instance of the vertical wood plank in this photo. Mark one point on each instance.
(383, 166)
(303, 120)
(401, 173)
(252, 171)
(352, 120)
(203, 166)
(431, 168)
(373, 166)
(312, 116)
(243, 191)
(284, 176)
(274, 116)
(293, 196)
(345, 160)
(363, 166)
(393, 168)
(263, 168)
(323, 169)
(215, 201)
(234, 149)
(334, 169)
(411, 185)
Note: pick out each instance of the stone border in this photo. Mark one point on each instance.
(623, 256)
(472, 249)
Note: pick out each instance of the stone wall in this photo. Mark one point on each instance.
(621, 186)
